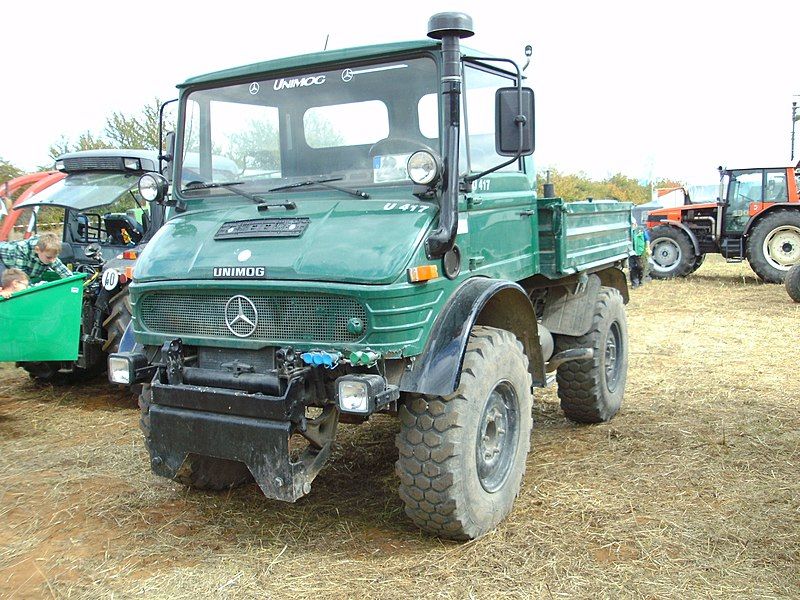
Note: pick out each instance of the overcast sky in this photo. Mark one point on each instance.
(667, 89)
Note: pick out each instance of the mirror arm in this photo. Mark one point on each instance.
(520, 119)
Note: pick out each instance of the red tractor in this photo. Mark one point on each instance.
(756, 217)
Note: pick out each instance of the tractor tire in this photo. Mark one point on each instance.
(792, 283)
(462, 457)
(773, 245)
(118, 319)
(699, 260)
(198, 472)
(671, 253)
(591, 391)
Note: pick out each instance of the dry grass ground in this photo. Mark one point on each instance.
(692, 491)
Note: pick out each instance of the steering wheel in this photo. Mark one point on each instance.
(396, 146)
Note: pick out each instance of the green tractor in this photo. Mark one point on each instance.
(381, 250)
(105, 225)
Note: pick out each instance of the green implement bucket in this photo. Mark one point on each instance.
(43, 322)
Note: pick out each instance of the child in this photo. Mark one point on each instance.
(34, 256)
(13, 280)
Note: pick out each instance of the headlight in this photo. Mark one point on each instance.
(364, 394)
(60, 165)
(153, 187)
(126, 368)
(131, 163)
(423, 168)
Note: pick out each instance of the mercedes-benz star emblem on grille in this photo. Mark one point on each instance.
(241, 316)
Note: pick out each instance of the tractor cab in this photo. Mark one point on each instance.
(97, 204)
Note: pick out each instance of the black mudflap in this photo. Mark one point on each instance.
(261, 444)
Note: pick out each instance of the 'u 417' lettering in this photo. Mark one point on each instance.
(418, 208)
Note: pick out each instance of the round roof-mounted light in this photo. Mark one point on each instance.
(423, 168)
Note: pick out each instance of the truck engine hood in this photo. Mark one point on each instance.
(356, 241)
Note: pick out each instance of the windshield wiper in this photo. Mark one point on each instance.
(324, 182)
(197, 185)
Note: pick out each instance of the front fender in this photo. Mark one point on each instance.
(478, 301)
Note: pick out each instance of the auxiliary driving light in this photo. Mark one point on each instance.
(364, 394)
(423, 168)
(153, 187)
(123, 367)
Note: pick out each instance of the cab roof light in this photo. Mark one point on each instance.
(423, 273)
(130, 255)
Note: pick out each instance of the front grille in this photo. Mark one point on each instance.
(285, 318)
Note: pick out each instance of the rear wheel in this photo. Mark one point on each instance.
(199, 472)
(591, 391)
(773, 245)
(462, 457)
(671, 253)
(118, 319)
(792, 283)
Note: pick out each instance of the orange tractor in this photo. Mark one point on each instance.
(756, 217)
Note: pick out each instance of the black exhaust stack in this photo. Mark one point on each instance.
(449, 27)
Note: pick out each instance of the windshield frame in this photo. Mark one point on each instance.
(264, 183)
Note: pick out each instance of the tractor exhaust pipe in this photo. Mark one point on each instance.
(449, 27)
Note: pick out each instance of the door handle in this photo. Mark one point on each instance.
(527, 213)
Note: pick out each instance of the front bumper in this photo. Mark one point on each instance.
(263, 445)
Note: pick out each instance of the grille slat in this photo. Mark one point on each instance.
(285, 318)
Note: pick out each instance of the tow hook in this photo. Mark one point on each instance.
(567, 356)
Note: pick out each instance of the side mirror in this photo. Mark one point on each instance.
(93, 251)
(508, 116)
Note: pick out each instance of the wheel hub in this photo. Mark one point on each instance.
(782, 247)
(612, 363)
(497, 437)
(666, 254)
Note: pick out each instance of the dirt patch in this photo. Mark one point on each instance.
(690, 492)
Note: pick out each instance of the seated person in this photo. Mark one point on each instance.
(33, 256)
(13, 280)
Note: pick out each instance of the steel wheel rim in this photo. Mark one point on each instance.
(498, 433)
(781, 247)
(665, 254)
(611, 354)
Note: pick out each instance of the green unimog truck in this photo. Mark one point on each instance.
(381, 249)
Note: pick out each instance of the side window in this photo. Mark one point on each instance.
(776, 190)
(479, 99)
(746, 187)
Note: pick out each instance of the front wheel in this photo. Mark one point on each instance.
(591, 391)
(773, 246)
(462, 457)
(671, 253)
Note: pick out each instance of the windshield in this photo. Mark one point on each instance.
(82, 191)
(356, 124)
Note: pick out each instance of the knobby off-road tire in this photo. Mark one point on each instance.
(199, 472)
(591, 391)
(773, 245)
(671, 253)
(792, 283)
(462, 457)
(119, 316)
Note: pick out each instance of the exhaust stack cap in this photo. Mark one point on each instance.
(450, 24)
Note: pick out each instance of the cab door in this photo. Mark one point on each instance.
(500, 210)
(746, 187)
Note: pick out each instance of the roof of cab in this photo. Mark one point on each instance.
(316, 58)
